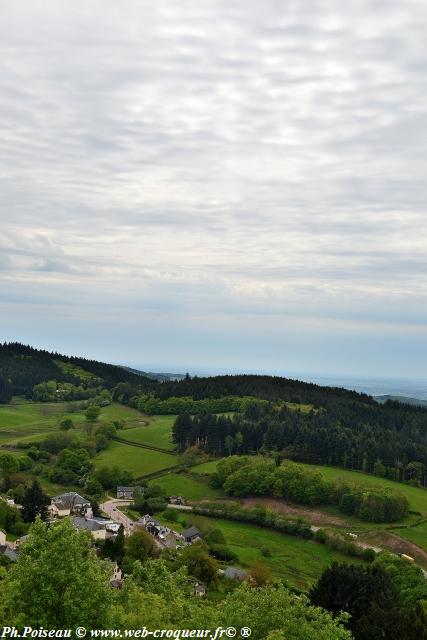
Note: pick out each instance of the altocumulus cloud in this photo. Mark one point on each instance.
(237, 175)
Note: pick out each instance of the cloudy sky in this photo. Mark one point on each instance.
(213, 185)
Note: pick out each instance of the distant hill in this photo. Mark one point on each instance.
(160, 377)
(416, 402)
(22, 367)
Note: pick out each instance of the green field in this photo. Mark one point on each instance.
(300, 562)
(205, 467)
(186, 486)
(158, 433)
(138, 461)
(417, 498)
(26, 421)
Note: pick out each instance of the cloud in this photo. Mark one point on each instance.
(233, 158)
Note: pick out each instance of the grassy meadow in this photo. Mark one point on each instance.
(157, 433)
(300, 562)
(187, 486)
(139, 461)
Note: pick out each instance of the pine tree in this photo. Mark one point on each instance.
(34, 503)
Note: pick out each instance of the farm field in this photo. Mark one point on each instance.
(300, 562)
(22, 420)
(139, 461)
(158, 433)
(186, 486)
(25, 421)
(205, 467)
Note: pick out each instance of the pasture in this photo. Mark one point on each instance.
(135, 459)
(205, 467)
(299, 562)
(184, 485)
(24, 421)
(157, 433)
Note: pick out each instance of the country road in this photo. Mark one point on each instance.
(111, 508)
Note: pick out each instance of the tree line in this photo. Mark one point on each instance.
(389, 440)
(243, 476)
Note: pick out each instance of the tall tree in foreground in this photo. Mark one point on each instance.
(57, 581)
(34, 503)
(367, 594)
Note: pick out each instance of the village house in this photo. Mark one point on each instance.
(2, 537)
(70, 503)
(97, 529)
(9, 552)
(192, 535)
(127, 493)
(179, 500)
(199, 589)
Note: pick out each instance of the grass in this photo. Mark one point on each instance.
(206, 467)
(300, 562)
(25, 421)
(138, 461)
(417, 498)
(186, 486)
(158, 433)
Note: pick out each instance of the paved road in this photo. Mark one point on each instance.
(112, 509)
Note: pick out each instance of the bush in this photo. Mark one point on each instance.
(222, 552)
(171, 514)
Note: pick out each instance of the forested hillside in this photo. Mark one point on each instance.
(302, 421)
(22, 367)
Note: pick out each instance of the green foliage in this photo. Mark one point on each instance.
(151, 500)
(199, 563)
(407, 578)
(55, 442)
(151, 405)
(111, 477)
(57, 582)
(10, 519)
(71, 465)
(138, 546)
(255, 515)
(92, 413)
(367, 594)
(241, 476)
(8, 463)
(34, 503)
(66, 424)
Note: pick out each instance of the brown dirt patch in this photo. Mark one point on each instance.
(315, 517)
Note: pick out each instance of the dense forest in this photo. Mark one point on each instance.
(388, 440)
(22, 367)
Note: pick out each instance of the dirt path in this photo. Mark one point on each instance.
(316, 517)
(393, 543)
(377, 539)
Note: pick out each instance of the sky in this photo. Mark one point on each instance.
(216, 185)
